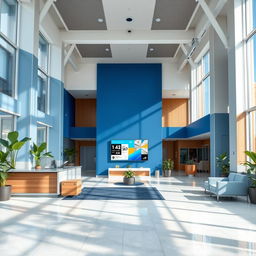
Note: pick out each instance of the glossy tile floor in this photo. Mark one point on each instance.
(188, 222)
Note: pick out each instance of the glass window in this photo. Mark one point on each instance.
(8, 18)
(7, 67)
(43, 54)
(183, 155)
(41, 134)
(251, 15)
(42, 92)
(6, 125)
(201, 88)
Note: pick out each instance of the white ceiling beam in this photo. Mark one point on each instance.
(45, 9)
(185, 51)
(204, 23)
(69, 52)
(71, 62)
(122, 37)
(214, 22)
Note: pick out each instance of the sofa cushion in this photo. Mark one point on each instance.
(240, 178)
(231, 176)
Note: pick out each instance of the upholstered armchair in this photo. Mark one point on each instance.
(235, 184)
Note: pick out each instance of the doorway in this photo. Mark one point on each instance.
(88, 160)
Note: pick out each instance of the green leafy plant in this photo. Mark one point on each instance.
(5, 166)
(190, 162)
(38, 152)
(70, 153)
(223, 163)
(168, 165)
(12, 146)
(129, 174)
(251, 167)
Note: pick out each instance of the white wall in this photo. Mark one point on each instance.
(86, 78)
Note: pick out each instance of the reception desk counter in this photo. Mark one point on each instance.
(41, 182)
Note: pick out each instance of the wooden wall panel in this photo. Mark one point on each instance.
(33, 182)
(85, 112)
(241, 138)
(187, 144)
(174, 112)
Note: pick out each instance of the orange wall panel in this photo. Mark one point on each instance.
(174, 112)
(241, 138)
(85, 112)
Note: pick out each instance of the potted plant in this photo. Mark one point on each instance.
(190, 168)
(167, 167)
(223, 164)
(5, 166)
(12, 146)
(70, 154)
(252, 175)
(37, 152)
(129, 178)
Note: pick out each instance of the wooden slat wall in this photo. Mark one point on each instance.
(174, 112)
(85, 112)
(33, 182)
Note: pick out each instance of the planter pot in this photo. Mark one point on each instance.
(5, 193)
(167, 173)
(252, 195)
(38, 167)
(190, 169)
(129, 181)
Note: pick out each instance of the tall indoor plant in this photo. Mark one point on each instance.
(5, 166)
(12, 146)
(223, 164)
(190, 168)
(168, 166)
(38, 153)
(251, 164)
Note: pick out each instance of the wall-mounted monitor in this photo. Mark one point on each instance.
(129, 150)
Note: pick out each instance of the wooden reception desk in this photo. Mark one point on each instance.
(41, 182)
(142, 174)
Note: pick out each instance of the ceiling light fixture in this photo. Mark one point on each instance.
(129, 19)
(100, 20)
(151, 49)
(157, 19)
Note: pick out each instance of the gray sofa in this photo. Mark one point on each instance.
(236, 184)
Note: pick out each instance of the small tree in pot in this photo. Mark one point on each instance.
(223, 164)
(168, 166)
(190, 168)
(129, 178)
(5, 166)
(70, 155)
(252, 175)
(37, 152)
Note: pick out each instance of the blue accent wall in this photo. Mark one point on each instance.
(129, 106)
(219, 137)
(69, 113)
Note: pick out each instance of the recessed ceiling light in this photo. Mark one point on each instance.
(107, 49)
(129, 19)
(100, 20)
(157, 19)
(151, 49)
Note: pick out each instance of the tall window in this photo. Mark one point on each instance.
(7, 123)
(250, 43)
(8, 34)
(43, 81)
(41, 134)
(201, 88)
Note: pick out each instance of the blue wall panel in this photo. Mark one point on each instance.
(69, 113)
(82, 132)
(129, 106)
